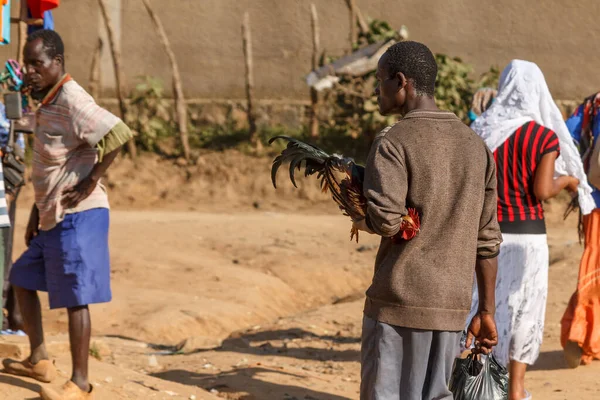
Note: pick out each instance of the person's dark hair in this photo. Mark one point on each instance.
(416, 62)
(53, 44)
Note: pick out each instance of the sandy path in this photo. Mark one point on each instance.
(110, 383)
(182, 274)
(177, 275)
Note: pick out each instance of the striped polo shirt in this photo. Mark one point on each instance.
(69, 124)
(519, 211)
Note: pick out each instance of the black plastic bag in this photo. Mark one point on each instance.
(483, 379)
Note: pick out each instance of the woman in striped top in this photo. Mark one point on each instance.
(531, 144)
(525, 168)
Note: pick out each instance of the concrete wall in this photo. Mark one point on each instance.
(206, 35)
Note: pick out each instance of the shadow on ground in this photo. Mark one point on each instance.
(276, 342)
(281, 343)
(18, 382)
(247, 384)
(294, 333)
(550, 361)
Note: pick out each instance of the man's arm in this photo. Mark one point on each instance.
(109, 148)
(486, 270)
(489, 236)
(385, 188)
(483, 326)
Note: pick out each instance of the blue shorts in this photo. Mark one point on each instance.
(70, 261)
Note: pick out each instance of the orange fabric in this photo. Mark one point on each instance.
(581, 321)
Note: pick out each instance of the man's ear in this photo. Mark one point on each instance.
(402, 81)
(60, 59)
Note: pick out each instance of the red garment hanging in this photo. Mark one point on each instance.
(38, 7)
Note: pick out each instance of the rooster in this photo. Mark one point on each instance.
(341, 177)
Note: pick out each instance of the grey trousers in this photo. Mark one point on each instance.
(406, 364)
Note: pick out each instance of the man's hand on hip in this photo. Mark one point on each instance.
(75, 195)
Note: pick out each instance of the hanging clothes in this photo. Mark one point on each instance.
(39, 7)
(584, 126)
(2, 3)
(5, 21)
(48, 22)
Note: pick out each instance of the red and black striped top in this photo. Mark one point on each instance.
(519, 211)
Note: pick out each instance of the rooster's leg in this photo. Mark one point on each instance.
(354, 232)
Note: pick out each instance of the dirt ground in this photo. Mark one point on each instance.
(265, 286)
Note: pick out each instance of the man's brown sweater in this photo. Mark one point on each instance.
(433, 162)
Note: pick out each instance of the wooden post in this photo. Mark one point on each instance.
(362, 23)
(314, 95)
(353, 33)
(116, 56)
(356, 17)
(22, 31)
(95, 71)
(247, 43)
(180, 107)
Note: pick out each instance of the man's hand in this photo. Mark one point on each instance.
(33, 226)
(75, 195)
(361, 225)
(483, 329)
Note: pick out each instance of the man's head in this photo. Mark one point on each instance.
(405, 72)
(44, 57)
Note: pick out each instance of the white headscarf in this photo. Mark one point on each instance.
(523, 96)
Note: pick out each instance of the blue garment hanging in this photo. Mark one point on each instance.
(48, 22)
(575, 125)
(6, 23)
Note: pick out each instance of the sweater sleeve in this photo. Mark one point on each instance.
(490, 237)
(115, 138)
(385, 188)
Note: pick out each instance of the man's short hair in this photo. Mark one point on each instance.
(416, 62)
(53, 44)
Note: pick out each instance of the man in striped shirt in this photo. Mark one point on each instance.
(67, 235)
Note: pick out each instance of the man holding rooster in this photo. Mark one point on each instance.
(429, 191)
(420, 295)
